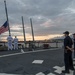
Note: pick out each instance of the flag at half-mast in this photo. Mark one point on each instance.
(4, 28)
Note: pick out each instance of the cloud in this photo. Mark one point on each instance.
(48, 16)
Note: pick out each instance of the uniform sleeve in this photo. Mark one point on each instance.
(12, 38)
(7, 38)
(66, 42)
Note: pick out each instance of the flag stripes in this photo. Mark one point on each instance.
(4, 28)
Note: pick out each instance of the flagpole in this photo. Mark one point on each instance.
(7, 16)
(24, 31)
(32, 30)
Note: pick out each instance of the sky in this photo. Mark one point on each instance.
(50, 17)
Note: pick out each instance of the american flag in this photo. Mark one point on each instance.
(4, 28)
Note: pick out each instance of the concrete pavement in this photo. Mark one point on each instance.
(46, 62)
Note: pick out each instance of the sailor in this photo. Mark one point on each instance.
(10, 39)
(15, 43)
(68, 53)
(74, 43)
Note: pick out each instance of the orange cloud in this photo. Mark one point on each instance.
(29, 37)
